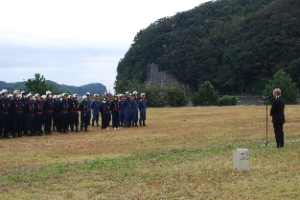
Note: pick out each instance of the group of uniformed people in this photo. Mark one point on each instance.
(26, 114)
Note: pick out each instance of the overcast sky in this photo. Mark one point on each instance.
(74, 42)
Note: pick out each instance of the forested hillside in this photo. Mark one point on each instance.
(235, 44)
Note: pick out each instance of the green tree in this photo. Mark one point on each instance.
(294, 69)
(176, 97)
(37, 85)
(206, 95)
(281, 80)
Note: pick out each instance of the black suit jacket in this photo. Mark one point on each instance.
(277, 111)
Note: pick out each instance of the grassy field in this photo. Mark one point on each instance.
(182, 153)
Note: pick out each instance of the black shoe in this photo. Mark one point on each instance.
(1, 138)
(65, 131)
(86, 129)
(14, 136)
(81, 128)
(144, 124)
(135, 124)
(97, 125)
(20, 135)
(7, 137)
(141, 124)
(77, 129)
(72, 130)
(93, 124)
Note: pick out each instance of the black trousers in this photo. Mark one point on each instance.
(279, 135)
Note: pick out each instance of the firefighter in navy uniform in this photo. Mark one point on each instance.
(95, 107)
(121, 109)
(63, 108)
(142, 108)
(104, 109)
(23, 102)
(134, 109)
(55, 113)
(29, 111)
(4, 115)
(48, 109)
(114, 107)
(16, 117)
(39, 115)
(83, 107)
(127, 109)
(89, 104)
(70, 100)
(74, 107)
(108, 112)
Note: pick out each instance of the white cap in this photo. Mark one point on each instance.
(87, 94)
(16, 92)
(9, 95)
(70, 96)
(96, 95)
(75, 95)
(127, 92)
(4, 91)
(48, 92)
(63, 94)
(135, 92)
(36, 95)
(84, 96)
(143, 94)
(43, 96)
(54, 96)
(29, 95)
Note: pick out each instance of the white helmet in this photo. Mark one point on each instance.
(48, 92)
(54, 96)
(4, 91)
(84, 96)
(135, 92)
(127, 92)
(69, 97)
(96, 95)
(29, 95)
(9, 95)
(63, 94)
(143, 94)
(36, 95)
(75, 95)
(43, 96)
(88, 94)
(16, 92)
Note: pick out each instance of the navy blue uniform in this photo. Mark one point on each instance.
(134, 111)
(127, 111)
(114, 107)
(104, 110)
(74, 107)
(95, 107)
(108, 113)
(142, 108)
(4, 117)
(29, 111)
(23, 102)
(55, 115)
(69, 113)
(63, 111)
(89, 111)
(39, 117)
(48, 109)
(83, 107)
(121, 111)
(16, 117)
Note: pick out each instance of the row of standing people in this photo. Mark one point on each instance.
(26, 114)
(122, 110)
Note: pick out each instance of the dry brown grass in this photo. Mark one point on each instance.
(182, 153)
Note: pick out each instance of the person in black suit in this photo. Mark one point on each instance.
(278, 119)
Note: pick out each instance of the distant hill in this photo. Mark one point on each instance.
(93, 88)
(235, 44)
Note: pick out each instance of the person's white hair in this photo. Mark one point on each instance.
(277, 91)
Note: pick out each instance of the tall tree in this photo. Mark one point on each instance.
(281, 80)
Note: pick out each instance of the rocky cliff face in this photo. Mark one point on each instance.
(163, 79)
